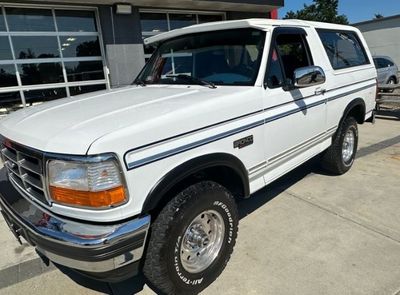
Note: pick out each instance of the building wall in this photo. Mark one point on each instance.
(383, 37)
(123, 44)
(232, 15)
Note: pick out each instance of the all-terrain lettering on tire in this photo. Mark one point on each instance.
(230, 219)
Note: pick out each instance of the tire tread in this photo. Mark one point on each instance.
(332, 157)
(155, 269)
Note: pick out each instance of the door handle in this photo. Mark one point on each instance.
(320, 91)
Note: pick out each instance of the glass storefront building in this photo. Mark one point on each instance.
(59, 50)
(48, 53)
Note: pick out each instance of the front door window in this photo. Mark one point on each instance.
(290, 52)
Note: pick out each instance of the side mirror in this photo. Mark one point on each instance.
(308, 76)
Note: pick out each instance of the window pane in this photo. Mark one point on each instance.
(344, 49)
(177, 21)
(75, 46)
(39, 96)
(85, 89)
(219, 57)
(35, 47)
(381, 63)
(5, 50)
(387, 63)
(28, 19)
(7, 76)
(84, 70)
(209, 18)
(2, 24)
(9, 102)
(154, 22)
(76, 21)
(293, 53)
(42, 73)
(274, 78)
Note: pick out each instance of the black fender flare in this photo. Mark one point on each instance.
(193, 166)
(354, 103)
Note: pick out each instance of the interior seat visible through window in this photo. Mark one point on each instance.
(290, 52)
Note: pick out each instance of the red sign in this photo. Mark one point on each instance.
(274, 14)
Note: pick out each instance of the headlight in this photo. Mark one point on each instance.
(86, 184)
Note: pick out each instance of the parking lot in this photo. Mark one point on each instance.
(307, 233)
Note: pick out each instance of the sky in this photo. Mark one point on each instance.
(355, 10)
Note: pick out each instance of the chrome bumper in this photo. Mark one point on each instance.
(93, 248)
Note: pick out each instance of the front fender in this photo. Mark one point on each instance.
(191, 167)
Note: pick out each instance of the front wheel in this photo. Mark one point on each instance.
(192, 239)
(339, 157)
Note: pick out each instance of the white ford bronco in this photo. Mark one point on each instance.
(146, 177)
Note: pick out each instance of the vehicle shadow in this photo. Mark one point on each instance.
(271, 191)
(128, 287)
(246, 207)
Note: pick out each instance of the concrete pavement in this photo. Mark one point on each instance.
(307, 233)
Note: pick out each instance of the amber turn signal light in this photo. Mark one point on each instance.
(101, 199)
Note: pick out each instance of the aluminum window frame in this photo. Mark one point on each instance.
(61, 60)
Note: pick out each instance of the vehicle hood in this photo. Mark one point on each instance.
(72, 125)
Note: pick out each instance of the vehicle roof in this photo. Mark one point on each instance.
(257, 23)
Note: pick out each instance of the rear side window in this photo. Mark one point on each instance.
(381, 63)
(344, 49)
(389, 62)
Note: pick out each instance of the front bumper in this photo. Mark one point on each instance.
(91, 248)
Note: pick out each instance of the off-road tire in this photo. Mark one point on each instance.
(332, 160)
(162, 266)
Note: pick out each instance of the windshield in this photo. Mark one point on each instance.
(229, 57)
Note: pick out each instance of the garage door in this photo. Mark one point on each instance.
(48, 53)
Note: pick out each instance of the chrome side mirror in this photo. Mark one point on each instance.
(308, 76)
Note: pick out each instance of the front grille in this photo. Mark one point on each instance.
(25, 169)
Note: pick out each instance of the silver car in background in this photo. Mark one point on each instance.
(387, 70)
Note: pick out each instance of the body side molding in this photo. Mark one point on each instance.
(154, 158)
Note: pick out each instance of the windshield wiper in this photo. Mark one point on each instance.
(194, 79)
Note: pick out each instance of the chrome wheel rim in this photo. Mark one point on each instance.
(348, 146)
(202, 241)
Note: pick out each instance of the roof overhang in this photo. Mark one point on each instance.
(377, 20)
(210, 5)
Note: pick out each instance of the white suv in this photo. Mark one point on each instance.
(146, 177)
